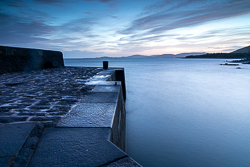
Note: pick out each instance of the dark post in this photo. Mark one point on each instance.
(105, 64)
(120, 76)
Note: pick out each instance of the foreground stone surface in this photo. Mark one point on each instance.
(43, 95)
(12, 137)
(123, 162)
(63, 117)
(78, 147)
(89, 115)
(4, 161)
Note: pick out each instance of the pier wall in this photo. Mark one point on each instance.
(13, 59)
(109, 89)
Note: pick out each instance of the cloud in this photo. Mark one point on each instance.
(92, 26)
(32, 27)
(142, 38)
(50, 2)
(104, 1)
(171, 15)
(82, 25)
(13, 3)
(20, 30)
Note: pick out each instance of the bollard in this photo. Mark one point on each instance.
(120, 76)
(105, 64)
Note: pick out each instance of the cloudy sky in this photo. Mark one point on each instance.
(95, 28)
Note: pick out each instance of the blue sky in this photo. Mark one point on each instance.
(96, 28)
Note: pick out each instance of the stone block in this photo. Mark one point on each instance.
(100, 97)
(90, 115)
(4, 161)
(23, 157)
(106, 72)
(45, 119)
(4, 119)
(124, 162)
(103, 83)
(13, 136)
(99, 88)
(75, 147)
(100, 77)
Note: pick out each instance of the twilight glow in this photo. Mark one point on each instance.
(96, 28)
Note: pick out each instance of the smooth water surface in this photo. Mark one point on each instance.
(185, 112)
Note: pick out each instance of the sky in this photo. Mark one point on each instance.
(115, 28)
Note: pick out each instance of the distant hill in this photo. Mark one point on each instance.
(222, 56)
(162, 56)
(238, 54)
(243, 50)
(137, 56)
(166, 55)
(190, 54)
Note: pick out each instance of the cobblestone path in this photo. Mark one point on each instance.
(43, 95)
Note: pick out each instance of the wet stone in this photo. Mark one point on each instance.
(22, 157)
(38, 93)
(60, 108)
(4, 161)
(4, 110)
(32, 114)
(50, 124)
(31, 142)
(14, 137)
(72, 100)
(45, 119)
(37, 131)
(9, 106)
(40, 106)
(61, 102)
(44, 102)
(4, 119)
(5, 113)
(57, 113)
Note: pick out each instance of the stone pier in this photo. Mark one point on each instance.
(62, 116)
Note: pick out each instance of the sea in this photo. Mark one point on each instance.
(184, 112)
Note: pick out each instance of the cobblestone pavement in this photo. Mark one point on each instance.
(43, 95)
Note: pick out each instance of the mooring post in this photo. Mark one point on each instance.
(105, 64)
(120, 76)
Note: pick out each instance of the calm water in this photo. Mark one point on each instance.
(185, 112)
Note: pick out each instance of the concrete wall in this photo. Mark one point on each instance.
(118, 130)
(13, 59)
(105, 83)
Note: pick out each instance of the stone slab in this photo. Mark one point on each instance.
(12, 137)
(4, 161)
(90, 115)
(127, 161)
(100, 97)
(99, 88)
(103, 83)
(75, 147)
(42, 95)
(100, 77)
(106, 72)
